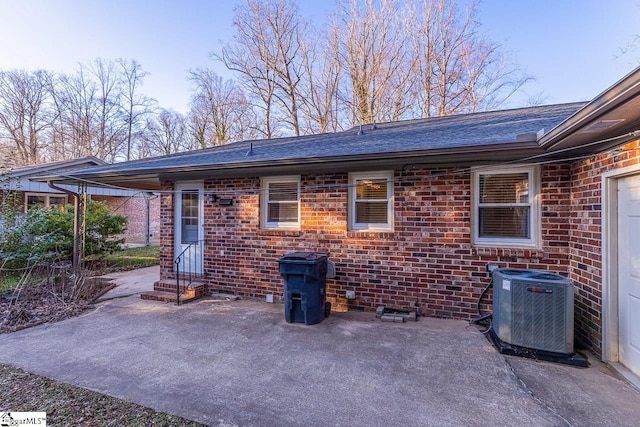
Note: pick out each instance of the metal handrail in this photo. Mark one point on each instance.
(189, 274)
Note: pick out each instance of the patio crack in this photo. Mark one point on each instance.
(541, 402)
(99, 300)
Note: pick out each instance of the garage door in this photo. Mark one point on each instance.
(629, 272)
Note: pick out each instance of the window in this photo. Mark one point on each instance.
(371, 201)
(190, 216)
(505, 210)
(280, 202)
(47, 200)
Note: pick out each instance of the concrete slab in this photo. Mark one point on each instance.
(240, 363)
(582, 397)
(130, 283)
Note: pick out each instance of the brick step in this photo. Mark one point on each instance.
(163, 296)
(195, 289)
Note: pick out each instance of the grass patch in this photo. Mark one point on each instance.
(68, 405)
(10, 279)
(8, 283)
(126, 259)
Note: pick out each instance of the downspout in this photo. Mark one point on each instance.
(147, 198)
(78, 247)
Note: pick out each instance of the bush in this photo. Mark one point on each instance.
(46, 235)
(24, 241)
(103, 229)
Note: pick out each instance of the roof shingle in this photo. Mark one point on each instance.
(438, 133)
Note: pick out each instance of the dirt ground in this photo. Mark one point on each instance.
(66, 405)
(32, 304)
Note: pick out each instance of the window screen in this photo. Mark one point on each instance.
(504, 205)
(281, 199)
(371, 201)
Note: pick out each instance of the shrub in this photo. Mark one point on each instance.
(46, 235)
(103, 229)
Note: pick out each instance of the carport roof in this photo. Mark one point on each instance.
(62, 166)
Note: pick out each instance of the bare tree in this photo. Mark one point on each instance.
(379, 60)
(319, 88)
(259, 83)
(110, 120)
(457, 70)
(135, 105)
(374, 57)
(166, 133)
(98, 111)
(266, 53)
(24, 112)
(630, 51)
(219, 109)
(74, 134)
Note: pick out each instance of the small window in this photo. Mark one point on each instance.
(34, 200)
(371, 201)
(505, 211)
(57, 202)
(190, 216)
(280, 202)
(46, 200)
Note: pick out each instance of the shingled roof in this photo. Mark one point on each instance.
(464, 137)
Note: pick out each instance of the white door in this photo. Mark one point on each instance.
(629, 272)
(189, 230)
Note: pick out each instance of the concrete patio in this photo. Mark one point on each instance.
(240, 363)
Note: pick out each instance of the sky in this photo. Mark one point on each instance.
(571, 48)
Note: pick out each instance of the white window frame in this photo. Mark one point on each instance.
(353, 178)
(264, 203)
(533, 241)
(47, 198)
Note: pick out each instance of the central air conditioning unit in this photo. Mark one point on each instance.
(533, 309)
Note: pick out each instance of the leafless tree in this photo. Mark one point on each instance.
(220, 111)
(75, 96)
(134, 104)
(457, 69)
(24, 112)
(373, 54)
(266, 53)
(319, 88)
(98, 111)
(110, 120)
(166, 133)
(379, 60)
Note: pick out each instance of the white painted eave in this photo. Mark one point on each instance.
(618, 105)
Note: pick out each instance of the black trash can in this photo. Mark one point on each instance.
(305, 287)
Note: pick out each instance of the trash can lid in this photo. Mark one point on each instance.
(303, 256)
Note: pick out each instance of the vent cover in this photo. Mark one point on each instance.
(533, 309)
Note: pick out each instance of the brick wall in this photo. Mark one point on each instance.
(135, 211)
(586, 238)
(166, 230)
(428, 262)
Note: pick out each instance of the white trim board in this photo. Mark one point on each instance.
(609, 249)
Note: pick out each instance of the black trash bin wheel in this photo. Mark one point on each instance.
(327, 309)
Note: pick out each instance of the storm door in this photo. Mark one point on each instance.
(189, 232)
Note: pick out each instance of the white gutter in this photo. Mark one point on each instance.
(614, 96)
